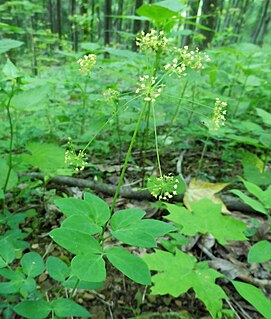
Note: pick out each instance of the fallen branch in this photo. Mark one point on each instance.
(232, 203)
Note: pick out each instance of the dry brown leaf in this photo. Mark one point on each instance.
(198, 190)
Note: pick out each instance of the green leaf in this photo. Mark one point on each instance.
(67, 308)
(250, 201)
(32, 264)
(13, 179)
(172, 5)
(99, 210)
(205, 218)
(254, 190)
(89, 267)
(49, 158)
(33, 309)
(156, 13)
(128, 227)
(57, 269)
(92, 206)
(75, 242)
(265, 116)
(7, 252)
(180, 272)
(31, 100)
(8, 44)
(130, 265)
(10, 70)
(81, 224)
(255, 297)
(260, 252)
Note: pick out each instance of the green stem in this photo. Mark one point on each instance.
(127, 158)
(175, 113)
(74, 288)
(145, 144)
(203, 154)
(156, 141)
(84, 97)
(107, 122)
(11, 129)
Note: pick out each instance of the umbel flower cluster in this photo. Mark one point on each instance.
(111, 95)
(164, 187)
(186, 58)
(76, 160)
(149, 88)
(219, 114)
(87, 63)
(152, 40)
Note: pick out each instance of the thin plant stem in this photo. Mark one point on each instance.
(127, 157)
(203, 154)
(84, 103)
(177, 109)
(107, 122)
(11, 130)
(74, 288)
(145, 144)
(156, 141)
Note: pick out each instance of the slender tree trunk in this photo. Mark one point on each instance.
(50, 15)
(264, 19)
(84, 12)
(107, 22)
(91, 23)
(74, 27)
(118, 23)
(137, 23)
(59, 22)
(208, 19)
(193, 6)
(241, 18)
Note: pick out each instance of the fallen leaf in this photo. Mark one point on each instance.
(199, 189)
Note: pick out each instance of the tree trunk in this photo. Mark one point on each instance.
(107, 22)
(74, 27)
(193, 6)
(118, 23)
(50, 15)
(263, 18)
(241, 18)
(208, 19)
(58, 14)
(137, 23)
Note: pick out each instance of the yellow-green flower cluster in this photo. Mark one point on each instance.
(76, 160)
(219, 115)
(111, 95)
(186, 58)
(87, 63)
(164, 187)
(154, 40)
(149, 88)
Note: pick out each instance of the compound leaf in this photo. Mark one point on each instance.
(206, 217)
(128, 227)
(130, 265)
(91, 206)
(180, 272)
